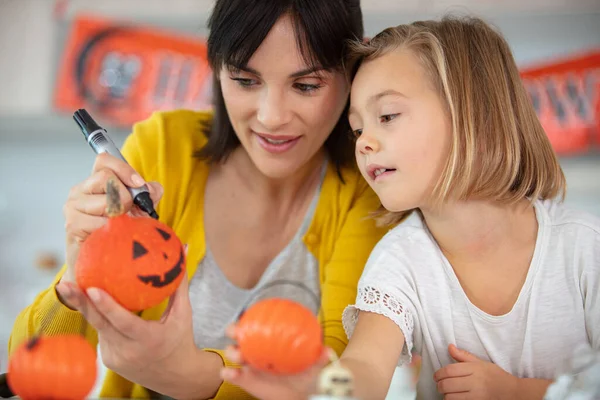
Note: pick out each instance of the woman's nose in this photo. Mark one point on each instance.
(273, 111)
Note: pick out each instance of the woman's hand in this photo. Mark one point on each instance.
(85, 208)
(159, 355)
(267, 386)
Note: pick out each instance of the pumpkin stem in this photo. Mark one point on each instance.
(33, 342)
(114, 207)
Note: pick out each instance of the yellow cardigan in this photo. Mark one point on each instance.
(160, 148)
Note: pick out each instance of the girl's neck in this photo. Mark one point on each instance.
(476, 232)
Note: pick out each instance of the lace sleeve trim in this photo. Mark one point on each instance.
(372, 299)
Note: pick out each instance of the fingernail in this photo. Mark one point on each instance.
(230, 353)
(228, 374)
(93, 294)
(137, 180)
(64, 289)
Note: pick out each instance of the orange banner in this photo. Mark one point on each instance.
(123, 73)
(566, 96)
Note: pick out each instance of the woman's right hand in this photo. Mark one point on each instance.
(85, 208)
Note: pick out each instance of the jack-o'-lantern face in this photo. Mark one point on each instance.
(142, 253)
(137, 260)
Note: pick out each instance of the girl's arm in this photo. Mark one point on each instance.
(372, 354)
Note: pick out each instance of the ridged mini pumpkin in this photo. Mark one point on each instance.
(279, 336)
(139, 261)
(53, 367)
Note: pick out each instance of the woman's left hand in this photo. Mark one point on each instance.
(153, 354)
(267, 386)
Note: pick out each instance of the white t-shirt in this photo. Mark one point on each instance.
(408, 279)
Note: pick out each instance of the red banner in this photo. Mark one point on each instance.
(123, 73)
(566, 96)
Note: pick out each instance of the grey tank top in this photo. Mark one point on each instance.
(216, 302)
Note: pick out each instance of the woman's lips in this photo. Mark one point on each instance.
(276, 143)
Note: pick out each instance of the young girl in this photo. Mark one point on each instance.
(488, 277)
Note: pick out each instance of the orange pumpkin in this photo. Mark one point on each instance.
(279, 336)
(139, 261)
(53, 367)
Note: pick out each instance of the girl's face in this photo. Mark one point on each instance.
(282, 110)
(402, 128)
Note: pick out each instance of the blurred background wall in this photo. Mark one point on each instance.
(42, 154)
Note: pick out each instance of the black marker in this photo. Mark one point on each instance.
(100, 142)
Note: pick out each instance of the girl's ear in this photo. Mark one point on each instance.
(366, 39)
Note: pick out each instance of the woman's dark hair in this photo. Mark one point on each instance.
(238, 27)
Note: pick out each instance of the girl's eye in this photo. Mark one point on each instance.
(244, 82)
(357, 132)
(306, 88)
(387, 118)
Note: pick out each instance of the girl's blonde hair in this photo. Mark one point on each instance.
(499, 150)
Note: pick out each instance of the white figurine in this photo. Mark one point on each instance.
(335, 382)
(582, 382)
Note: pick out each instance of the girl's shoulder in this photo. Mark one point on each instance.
(570, 237)
(410, 233)
(406, 246)
(563, 217)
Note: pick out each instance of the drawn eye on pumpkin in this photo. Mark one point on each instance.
(164, 234)
(138, 250)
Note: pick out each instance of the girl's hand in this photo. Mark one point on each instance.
(85, 208)
(272, 387)
(472, 378)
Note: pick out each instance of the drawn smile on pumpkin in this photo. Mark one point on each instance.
(158, 281)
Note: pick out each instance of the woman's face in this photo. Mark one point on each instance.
(282, 110)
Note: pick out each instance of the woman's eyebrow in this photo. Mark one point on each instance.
(298, 74)
(307, 71)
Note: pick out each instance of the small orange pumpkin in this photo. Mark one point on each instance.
(53, 367)
(279, 336)
(139, 261)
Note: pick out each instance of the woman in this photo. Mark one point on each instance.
(271, 193)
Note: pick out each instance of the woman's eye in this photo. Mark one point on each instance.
(306, 88)
(244, 82)
(387, 118)
(357, 132)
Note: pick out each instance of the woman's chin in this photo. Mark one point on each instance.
(277, 167)
(277, 170)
